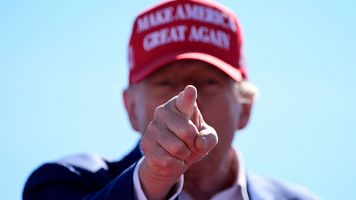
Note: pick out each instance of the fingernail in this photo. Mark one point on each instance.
(203, 144)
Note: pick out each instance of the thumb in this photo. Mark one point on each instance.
(186, 101)
(206, 140)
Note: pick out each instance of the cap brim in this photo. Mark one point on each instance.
(150, 68)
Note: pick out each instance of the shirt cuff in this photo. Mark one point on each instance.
(140, 195)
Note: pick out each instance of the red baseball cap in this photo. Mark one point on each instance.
(185, 29)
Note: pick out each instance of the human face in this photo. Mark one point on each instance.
(217, 96)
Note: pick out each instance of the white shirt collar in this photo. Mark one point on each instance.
(236, 191)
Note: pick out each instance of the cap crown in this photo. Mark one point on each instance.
(185, 29)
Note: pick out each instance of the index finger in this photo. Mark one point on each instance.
(186, 101)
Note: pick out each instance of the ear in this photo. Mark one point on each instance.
(245, 114)
(130, 106)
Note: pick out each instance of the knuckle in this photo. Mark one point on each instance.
(179, 149)
(153, 131)
(187, 130)
(143, 142)
(151, 127)
(176, 148)
(149, 137)
(169, 167)
(144, 145)
(168, 173)
(159, 111)
(148, 133)
(191, 128)
(164, 162)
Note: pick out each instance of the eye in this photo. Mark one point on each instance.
(164, 83)
(210, 81)
(210, 85)
(162, 88)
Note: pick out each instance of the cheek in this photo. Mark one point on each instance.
(222, 114)
(141, 112)
(145, 110)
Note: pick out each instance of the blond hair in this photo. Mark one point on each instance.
(246, 92)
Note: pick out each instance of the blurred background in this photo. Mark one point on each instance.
(63, 66)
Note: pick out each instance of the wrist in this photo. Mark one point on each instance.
(156, 186)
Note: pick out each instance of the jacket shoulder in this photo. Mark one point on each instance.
(266, 188)
(74, 177)
(89, 162)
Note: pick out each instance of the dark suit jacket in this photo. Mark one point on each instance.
(113, 180)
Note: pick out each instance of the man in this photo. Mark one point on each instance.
(188, 94)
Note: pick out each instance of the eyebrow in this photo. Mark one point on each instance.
(184, 63)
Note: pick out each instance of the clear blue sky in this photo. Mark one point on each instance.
(63, 66)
